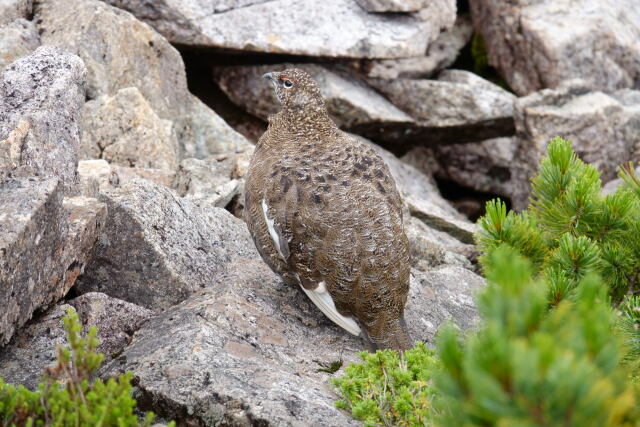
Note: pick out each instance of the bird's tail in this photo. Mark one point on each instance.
(394, 336)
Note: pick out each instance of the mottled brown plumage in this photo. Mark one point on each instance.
(325, 213)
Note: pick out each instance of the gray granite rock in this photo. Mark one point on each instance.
(10, 10)
(457, 107)
(124, 130)
(331, 28)
(115, 319)
(120, 52)
(350, 102)
(612, 186)
(45, 243)
(250, 350)
(440, 55)
(157, 248)
(214, 180)
(539, 44)
(34, 347)
(431, 248)
(95, 175)
(484, 166)
(98, 175)
(604, 130)
(393, 5)
(41, 97)
(17, 39)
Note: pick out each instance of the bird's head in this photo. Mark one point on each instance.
(295, 89)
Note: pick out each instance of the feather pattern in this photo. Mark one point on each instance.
(324, 212)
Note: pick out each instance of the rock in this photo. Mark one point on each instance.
(95, 175)
(98, 175)
(250, 350)
(458, 107)
(208, 134)
(123, 129)
(158, 176)
(604, 129)
(40, 100)
(484, 166)
(34, 347)
(115, 319)
(393, 5)
(10, 10)
(121, 52)
(432, 248)
(156, 248)
(215, 180)
(612, 186)
(440, 295)
(440, 55)
(350, 102)
(441, 219)
(341, 28)
(45, 243)
(17, 39)
(538, 45)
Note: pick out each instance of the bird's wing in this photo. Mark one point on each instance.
(293, 234)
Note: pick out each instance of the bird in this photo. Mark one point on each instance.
(325, 214)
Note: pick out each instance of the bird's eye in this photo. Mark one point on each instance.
(287, 83)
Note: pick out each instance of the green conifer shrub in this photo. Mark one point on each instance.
(532, 366)
(389, 389)
(570, 229)
(67, 396)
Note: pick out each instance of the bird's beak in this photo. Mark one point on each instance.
(271, 76)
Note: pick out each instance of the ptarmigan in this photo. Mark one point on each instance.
(325, 214)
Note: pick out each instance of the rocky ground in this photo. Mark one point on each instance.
(120, 190)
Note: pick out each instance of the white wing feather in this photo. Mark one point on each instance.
(322, 299)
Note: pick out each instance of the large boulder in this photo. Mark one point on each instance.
(17, 39)
(99, 175)
(604, 130)
(440, 55)
(484, 166)
(41, 97)
(10, 10)
(123, 129)
(457, 107)
(350, 102)
(250, 350)
(332, 28)
(156, 248)
(45, 242)
(34, 347)
(539, 44)
(214, 180)
(120, 52)
(393, 5)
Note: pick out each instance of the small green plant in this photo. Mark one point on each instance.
(67, 396)
(569, 229)
(389, 389)
(629, 325)
(532, 365)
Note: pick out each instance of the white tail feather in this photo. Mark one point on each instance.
(322, 299)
